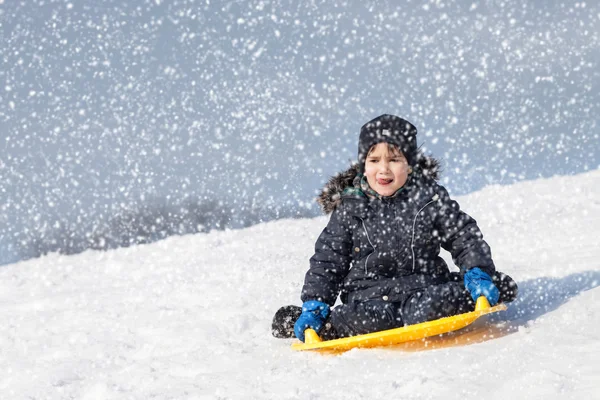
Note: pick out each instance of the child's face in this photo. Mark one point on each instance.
(386, 171)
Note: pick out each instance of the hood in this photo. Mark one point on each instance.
(331, 195)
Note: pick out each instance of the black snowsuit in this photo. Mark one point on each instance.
(381, 255)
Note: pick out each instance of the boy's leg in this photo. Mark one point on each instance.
(345, 320)
(436, 302)
(359, 318)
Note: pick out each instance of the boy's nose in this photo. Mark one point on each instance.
(384, 165)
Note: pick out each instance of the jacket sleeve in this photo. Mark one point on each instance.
(461, 236)
(331, 261)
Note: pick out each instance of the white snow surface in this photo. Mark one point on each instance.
(189, 317)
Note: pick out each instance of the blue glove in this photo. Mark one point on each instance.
(314, 314)
(478, 283)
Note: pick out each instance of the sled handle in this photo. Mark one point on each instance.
(482, 303)
(310, 336)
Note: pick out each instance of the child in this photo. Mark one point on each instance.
(380, 249)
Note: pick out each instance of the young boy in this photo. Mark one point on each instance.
(380, 249)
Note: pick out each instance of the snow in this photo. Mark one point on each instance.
(189, 317)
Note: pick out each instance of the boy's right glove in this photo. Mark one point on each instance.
(478, 283)
(314, 314)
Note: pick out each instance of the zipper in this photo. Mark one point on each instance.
(412, 241)
(369, 240)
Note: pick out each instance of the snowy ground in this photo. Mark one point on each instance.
(189, 317)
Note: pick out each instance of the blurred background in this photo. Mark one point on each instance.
(127, 122)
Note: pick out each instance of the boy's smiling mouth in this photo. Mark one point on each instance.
(384, 182)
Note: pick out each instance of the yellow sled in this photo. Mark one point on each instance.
(399, 335)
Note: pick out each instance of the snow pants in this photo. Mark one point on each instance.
(421, 305)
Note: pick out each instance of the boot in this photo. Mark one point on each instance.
(284, 320)
(506, 285)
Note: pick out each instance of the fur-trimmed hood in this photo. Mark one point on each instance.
(331, 195)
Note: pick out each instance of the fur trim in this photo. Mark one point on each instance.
(331, 195)
(430, 167)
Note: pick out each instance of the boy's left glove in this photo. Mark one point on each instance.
(314, 314)
(478, 283)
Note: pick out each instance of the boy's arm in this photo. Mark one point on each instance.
(331, 261)
(461, 236)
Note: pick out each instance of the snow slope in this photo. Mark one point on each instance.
(189, 317)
